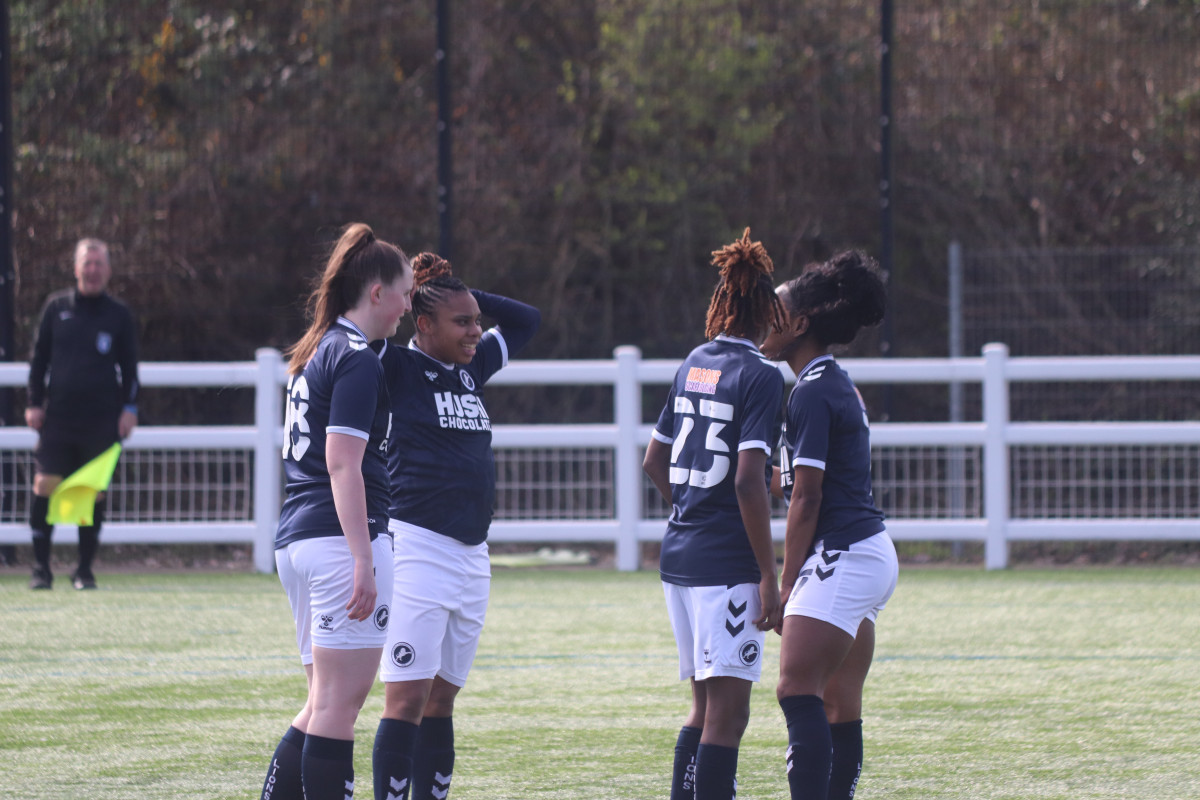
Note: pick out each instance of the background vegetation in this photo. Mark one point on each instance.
(602, 149)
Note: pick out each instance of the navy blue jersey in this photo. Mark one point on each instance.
(442, 469)
(340, 390)
(725, 399)
(826, 428)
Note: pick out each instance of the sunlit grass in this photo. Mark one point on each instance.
(1072, 684)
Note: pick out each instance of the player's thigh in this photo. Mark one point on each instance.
(844, 691)
(465, 625)
(326, 567)
(296, 589)
(844, 587)
(714, 630)
(417, 625)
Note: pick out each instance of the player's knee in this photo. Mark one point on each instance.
(403, 701)
(789, 686)
(729, 723)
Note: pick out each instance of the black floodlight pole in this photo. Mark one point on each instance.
(445, 204)
(887, 237)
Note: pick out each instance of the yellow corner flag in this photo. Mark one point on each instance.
(74, 501)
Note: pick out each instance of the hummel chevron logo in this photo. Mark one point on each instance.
(734, 630)
(441, 785)
(736, 610)
(397, 789)
(804, 573)
(349, 790)
(822, 574)
(830, 557)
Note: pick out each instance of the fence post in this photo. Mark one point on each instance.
(268, 422)
(627, 413)
(996, 494)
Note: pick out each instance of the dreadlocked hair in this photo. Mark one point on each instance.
(839, 297)
(434, 281)
(744, 300)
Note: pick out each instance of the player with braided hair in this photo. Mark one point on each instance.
(443, 486)
(839, 565)
(709, 456)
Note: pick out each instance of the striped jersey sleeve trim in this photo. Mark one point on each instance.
(808, 462)
(661, 437)
(347, 431)
(754, 444)
(499, 337)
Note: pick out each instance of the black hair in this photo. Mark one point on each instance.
(840, 297)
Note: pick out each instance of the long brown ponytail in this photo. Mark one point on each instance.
(357, 260)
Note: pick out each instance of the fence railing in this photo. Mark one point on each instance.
(967, 458)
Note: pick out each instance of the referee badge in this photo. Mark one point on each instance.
(103, 342)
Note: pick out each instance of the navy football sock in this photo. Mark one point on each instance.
(433, 760)
(283, 776)
(392, 759)
(847, 759)
(810, 748)
(327, 768)
(716, 772)
(683, 778)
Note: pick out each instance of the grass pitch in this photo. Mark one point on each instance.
(1072, 684)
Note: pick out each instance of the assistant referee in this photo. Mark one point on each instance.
(83, 389)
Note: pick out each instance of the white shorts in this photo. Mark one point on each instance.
(318, 576)
(715, 631)
(844, 587)
(440, 598)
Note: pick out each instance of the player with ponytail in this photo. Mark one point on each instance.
(709, 457)
(839, 565)
(443, 481)
(331, 549)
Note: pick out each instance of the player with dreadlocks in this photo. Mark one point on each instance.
(709, 456)
(443, 481)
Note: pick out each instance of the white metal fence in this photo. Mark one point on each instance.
(993, 481)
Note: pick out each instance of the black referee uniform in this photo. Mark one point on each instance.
(83, 372)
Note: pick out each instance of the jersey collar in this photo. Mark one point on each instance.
(813, 363)
(722, 337)
(345, 323)
(412, 345)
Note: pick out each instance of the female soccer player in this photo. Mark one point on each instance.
(443, 483)
(331, 549)
(839, 565)
(709, 457)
